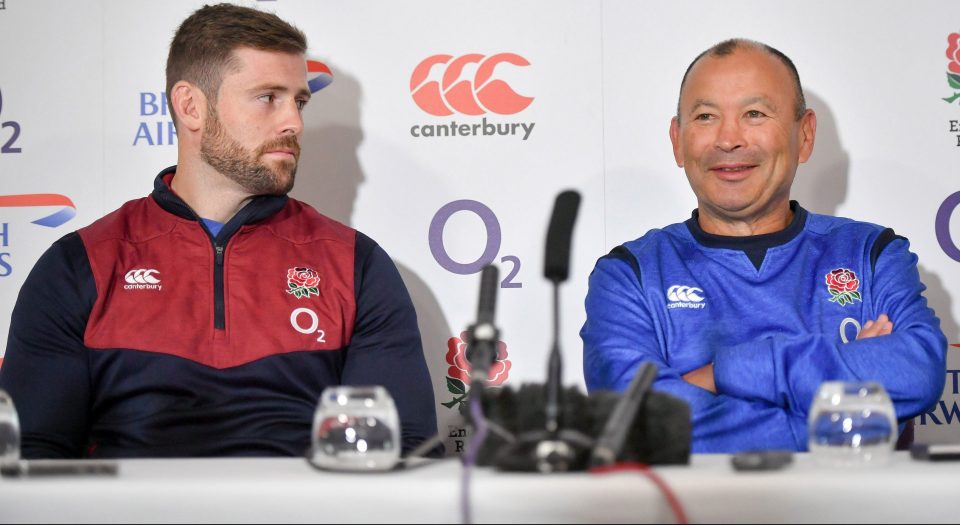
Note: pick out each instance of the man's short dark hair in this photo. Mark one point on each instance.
(202, 48)
(727, 47)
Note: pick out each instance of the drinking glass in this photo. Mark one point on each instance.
(356, 428)
(852, 424)
(9, 431)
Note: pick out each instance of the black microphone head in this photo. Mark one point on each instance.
(487, 305)
(556, 266)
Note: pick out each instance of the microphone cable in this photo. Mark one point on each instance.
(473, 450)
(679, 514)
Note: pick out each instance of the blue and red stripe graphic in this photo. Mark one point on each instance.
(30, 200)
(322, 76)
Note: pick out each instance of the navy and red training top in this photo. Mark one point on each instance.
(143, 335)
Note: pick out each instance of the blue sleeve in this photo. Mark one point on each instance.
(909, 363)
(621, 333)
(385, 347)
(45, 369)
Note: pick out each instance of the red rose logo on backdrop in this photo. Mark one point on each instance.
(303, 282)
(953, 68)
(843, 285)
(459, 372)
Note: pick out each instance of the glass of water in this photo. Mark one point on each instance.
(356, 428)
(852, 424)
(9, 431)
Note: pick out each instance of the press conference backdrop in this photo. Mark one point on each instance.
(450, 126)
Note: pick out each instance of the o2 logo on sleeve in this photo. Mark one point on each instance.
(491, 248)
(8, 140)
(943, 226)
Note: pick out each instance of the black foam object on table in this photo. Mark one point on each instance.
(660, 434)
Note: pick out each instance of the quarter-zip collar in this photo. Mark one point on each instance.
(258, 209)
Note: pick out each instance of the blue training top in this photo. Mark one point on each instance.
(777, 314)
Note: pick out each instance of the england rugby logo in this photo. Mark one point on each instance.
(843, 286)
(303, 282)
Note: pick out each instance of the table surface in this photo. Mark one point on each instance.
(290, 490)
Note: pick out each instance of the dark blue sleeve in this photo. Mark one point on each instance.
(385, 348)
(45, 369)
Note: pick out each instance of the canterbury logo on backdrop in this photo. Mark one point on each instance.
(455, 94)
(142, 279)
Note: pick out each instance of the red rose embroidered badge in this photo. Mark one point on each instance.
(303, 282)
(458, 375)
(843, 285)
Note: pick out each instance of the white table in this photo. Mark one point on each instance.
(289, 490)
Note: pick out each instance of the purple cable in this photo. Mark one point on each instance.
(470, 458)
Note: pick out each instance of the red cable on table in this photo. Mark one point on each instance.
(679, 514)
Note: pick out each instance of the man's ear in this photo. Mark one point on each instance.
(808, 134)
(189, 104)
(675, 139)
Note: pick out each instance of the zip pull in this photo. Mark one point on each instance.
(219, 257)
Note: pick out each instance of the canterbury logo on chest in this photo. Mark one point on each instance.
(142, 279)
(680, 296)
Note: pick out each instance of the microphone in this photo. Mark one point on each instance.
(556, 264)
(547, 428)
(483, 336)
(556, 268)
(553, 448)
(609, 445)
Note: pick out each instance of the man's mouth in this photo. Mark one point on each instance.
(732, 171)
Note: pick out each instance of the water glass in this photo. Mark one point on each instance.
(9, 431)
(356, 428)
(852, 424)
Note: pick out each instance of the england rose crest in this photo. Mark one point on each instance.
(953, 67)
(458, 375)
(843, 286)
(303, 282)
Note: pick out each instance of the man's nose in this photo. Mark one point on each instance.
(730, 135)
(291, 119)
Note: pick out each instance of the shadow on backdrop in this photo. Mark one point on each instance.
(822, 182)
(330, 178)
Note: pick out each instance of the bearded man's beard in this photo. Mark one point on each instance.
(228, 157)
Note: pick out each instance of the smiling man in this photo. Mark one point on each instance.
(207, 318)
(748, 306)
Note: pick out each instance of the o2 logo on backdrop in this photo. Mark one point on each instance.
(942, 226)
(8, 139)
(491, 248)
(442, 85)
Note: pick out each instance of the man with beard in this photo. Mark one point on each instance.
(207, 318)
(748, 306)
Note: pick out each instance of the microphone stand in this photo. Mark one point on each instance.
(553, 449)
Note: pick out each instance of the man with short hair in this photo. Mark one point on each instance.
(748, 306)
(207, 318)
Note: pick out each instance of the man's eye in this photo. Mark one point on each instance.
(265, 98)
(753, 113)
(301, 104)
(705, 117)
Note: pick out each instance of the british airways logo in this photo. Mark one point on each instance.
(686, 297)
(142, 279)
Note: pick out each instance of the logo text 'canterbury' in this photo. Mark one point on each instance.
(455, 94)
(142, 279)
(685, 297)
